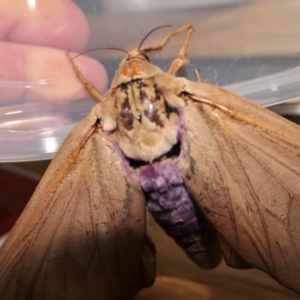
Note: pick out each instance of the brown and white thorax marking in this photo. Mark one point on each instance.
(145, 111)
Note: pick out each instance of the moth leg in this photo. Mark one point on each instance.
(197, 75)
(88, 85)
(181, 60)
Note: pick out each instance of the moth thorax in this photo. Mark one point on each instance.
(147, 125)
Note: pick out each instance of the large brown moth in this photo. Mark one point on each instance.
(218, 172)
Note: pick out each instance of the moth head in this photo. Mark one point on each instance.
(135, 65)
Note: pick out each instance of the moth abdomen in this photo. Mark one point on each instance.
(172, 207)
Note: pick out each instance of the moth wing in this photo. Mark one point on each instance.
(82, 235)
(243, 173)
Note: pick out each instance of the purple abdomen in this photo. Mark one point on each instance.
(171, 206)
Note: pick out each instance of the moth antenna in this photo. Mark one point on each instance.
(147, 35)
(94, 49)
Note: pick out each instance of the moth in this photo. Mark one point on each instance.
(219, 173)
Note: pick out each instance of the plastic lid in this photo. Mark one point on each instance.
(33, 129)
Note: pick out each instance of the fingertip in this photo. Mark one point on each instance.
(57, 23)
(42, 73)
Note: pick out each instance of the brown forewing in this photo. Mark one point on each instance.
(82, 235)
(244, 174)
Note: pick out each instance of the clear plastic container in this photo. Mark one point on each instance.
(250, 47)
